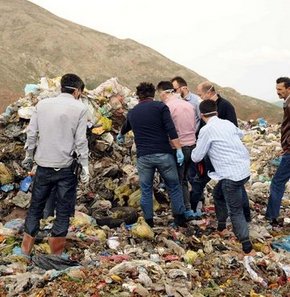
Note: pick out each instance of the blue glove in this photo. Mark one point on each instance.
(120, 138)
(179, 156)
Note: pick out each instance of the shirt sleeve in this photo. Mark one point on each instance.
(240, 132)
(32, 132)
(202, 146)
(197, 115)
(168, 122)
(81, 142)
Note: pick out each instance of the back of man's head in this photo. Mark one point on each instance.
(207, 86)
(285, 80)
(208, 108)
(71, 82)
(180, 80)
(165, 85)
(145, 90)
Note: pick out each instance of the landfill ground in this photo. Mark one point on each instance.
(108, 253)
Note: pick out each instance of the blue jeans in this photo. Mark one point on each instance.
(183, 172)
(65, 183)
(277, 187)
(230, 199)
(166, 166)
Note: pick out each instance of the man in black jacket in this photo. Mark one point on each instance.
(226, 111)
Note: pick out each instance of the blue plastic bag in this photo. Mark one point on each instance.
(7, 188)
(25, 184)
(30, 88)
(282, 243)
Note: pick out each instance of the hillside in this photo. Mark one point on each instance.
(34, 42)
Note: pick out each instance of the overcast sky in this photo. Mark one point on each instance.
(243, 44)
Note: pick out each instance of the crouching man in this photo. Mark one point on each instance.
(220, 139)
(56, 129)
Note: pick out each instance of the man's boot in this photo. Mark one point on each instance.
(27, 244)
(57, 245)
(180, 220)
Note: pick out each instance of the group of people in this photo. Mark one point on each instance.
(185, 140)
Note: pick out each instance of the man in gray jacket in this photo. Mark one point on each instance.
(56, 129)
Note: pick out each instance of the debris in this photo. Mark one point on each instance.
(104, 240)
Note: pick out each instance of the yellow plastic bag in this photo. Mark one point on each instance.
(142, 229)
(5, 175)
(190, 257)
(135, 197)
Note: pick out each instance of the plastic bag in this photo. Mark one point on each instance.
(49, 262)
(142, 229)
(25, 184)
(5, 175)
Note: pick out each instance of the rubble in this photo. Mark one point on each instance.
(115, 256)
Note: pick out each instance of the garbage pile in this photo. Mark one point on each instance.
(111, 251)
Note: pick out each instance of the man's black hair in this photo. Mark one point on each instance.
(145, 90)
(180, 80)
(208, 107)
(165, 85)
(70, 81)
(285, 80)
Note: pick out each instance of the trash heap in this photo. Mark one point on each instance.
(111, 251)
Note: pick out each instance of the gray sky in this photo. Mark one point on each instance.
(243, 44)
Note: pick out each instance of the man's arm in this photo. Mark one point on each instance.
(231, 115)
(240, 132)
(168, 123)
(202, 146)
(126, 127)
(81, 142)
(32, 133)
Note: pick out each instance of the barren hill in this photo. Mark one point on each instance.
(34, 42)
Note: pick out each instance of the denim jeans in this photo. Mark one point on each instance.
(230, 199)
(277, 187)
(65, 182)
(183, 172)
(166, 166)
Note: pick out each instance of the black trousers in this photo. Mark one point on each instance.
(64, 181)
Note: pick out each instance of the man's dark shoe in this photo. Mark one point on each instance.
(150, 222)
(247, 247)
(275, 222)
(180, 220)
(221, 226)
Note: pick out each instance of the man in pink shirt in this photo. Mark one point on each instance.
(184, 118)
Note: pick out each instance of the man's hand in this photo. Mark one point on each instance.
(27, 163)
(179, 156)
(120, 138)
(85, 175)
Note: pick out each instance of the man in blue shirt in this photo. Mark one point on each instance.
(153, 127)
(220, 140)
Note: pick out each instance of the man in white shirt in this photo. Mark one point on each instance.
(56, 129)
(220, 140)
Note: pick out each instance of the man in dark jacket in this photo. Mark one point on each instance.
(225, 111)
(282, 174)
(153, 127)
